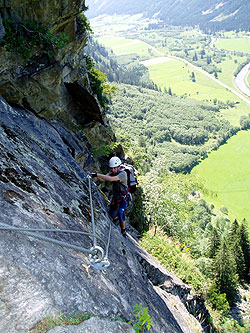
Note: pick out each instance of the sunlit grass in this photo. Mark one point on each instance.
(228, 68)
(234, 44)
(226, 172)
(122, 46)
(176, 74)
(234, 115)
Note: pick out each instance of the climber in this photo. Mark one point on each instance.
(118, 176)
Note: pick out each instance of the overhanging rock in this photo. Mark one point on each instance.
(88, 106)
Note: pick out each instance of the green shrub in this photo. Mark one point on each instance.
(104, 150)
(175, 258)
(83, 24)
(218, 301)
(50, 322)
(30, 38)
(100, 86)
(143, 320)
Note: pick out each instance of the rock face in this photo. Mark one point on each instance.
(42, 186)
(54, 87)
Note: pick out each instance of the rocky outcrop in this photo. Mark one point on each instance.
(42, 186)
(55, 87)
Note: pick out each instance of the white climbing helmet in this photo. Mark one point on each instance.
(114, 162)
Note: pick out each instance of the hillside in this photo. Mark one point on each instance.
(209, 15)
(180, 130)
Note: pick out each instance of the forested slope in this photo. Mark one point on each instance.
(125, 69)
(209, 15)
(180, 130)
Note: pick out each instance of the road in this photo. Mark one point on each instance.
(235, 92)
(241, 80)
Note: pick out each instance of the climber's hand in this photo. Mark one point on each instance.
(93, 174)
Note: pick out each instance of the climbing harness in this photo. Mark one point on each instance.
(97, 258)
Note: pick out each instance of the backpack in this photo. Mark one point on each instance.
(132, 180)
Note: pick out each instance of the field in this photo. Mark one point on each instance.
(234, 44)
(125, 46)
(227, 173)
(228, 68)
(176, 75)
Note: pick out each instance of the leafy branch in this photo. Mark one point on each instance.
(29, 38)
(83, 24)
(143, 319)
(100, 86)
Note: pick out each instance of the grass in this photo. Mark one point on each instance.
(175, 258)
(234, 44)
(226, 173)
(125, 46)
(228, 68)
(234, 115)
(50, 322)
(176, 74)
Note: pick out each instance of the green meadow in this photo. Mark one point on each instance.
(234, 44)
(228, 67)
(122, 45)
(226, 174)
(177, 75)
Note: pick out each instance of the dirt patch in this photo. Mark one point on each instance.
(156, 61)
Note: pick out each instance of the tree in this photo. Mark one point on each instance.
(195, 58)
(225, 276)
(245, 246)
(193, 77)
(233, 230)
(213, 243)
(203, 52)
(170, 91)
(235, 245)
(245, 122)
(238, 257)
